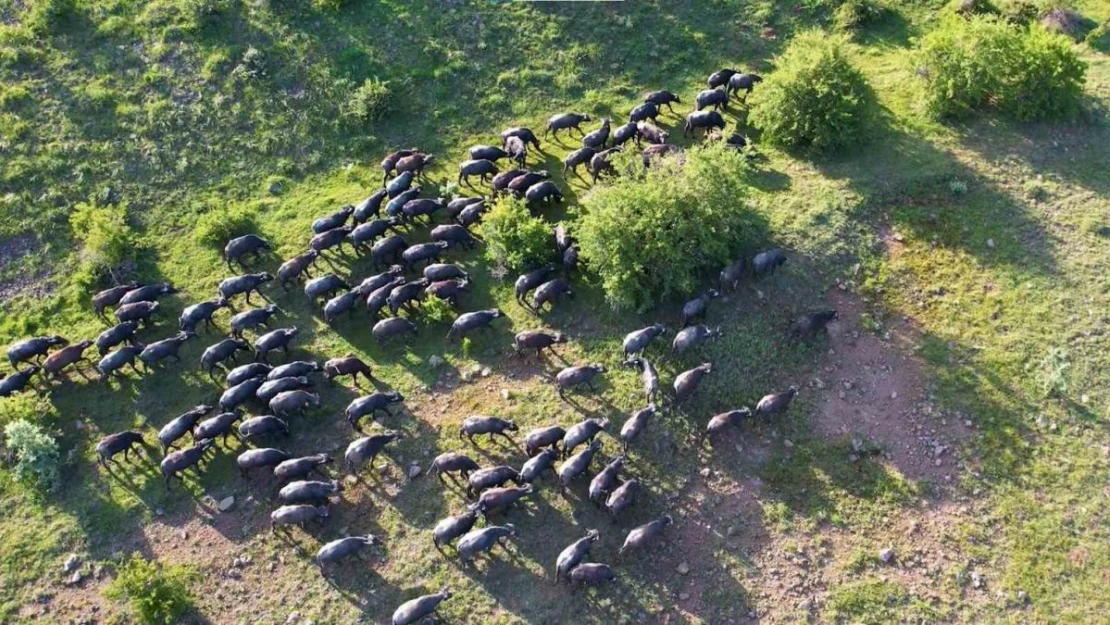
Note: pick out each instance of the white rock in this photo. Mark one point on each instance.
(414, 471)
(887, 555)
(505, 394)
(226, 503)
(71, 563)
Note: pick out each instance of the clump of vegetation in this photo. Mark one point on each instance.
(815, 97)
(652, 239)
(330, 5)
(253, 64)
(982, 62)
(157, 594)
(436, 310)
(36, 454)
(853, 15)
(216, 227)
(514, 238)
(46, 16)
(370, 102)
(968, 8)
(107, 241)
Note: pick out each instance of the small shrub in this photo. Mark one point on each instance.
(815, 97)
(436, 310)
(1054, 373)
(157, 594)
(652, 239)
(252, 65)
(106, 239)
(853, 15)
(36, 454)
(370, 102)
(330, 5)
(968, 8)
(216, 227)
(982, 62)
(514, 238)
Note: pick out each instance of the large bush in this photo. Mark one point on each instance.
(814, 97)
(106, 238)
(36, 454)
(654, 238)
(514, 238)
(157, 594)
(982, 62)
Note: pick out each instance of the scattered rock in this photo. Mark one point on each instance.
(436, 362)
(414, 470)
(684, 596)
(704, 472)
(990, 243)
(1023, 597)
(505, 394)
(159, 512)
(293, 618)
(684, 568)
(819, 383)
(75, 578)
(71, 563)
(894, 395)
(351, 480)
(226, 503)
(789, 444)
(485, 372)
(887, 555)
(79, 425)
(977, 580)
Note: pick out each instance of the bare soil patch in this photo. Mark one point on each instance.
(13, 283)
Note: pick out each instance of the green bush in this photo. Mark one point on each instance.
(815, 97)
(514, 238)
(106, 239)
(157, 594)
(652, 239)
(853, 15)
(370, 102)
(982, 62)
(36, 454)
(436, 310)
(216, 227)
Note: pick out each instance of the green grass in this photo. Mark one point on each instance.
(165, 104)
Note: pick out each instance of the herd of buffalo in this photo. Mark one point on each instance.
(379, 224)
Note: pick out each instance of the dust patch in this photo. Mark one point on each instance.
(874, 389)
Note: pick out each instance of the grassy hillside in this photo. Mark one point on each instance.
(966, 261)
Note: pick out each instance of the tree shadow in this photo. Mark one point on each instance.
(942, 200)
